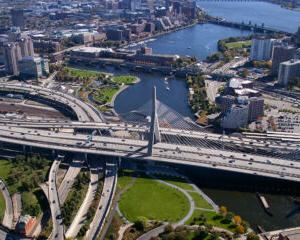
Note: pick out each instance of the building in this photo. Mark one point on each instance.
(46, 46)
(12, 54)
(225, 102)
(17, 18)
(115, 34)
(281, 53)
(261, 48)
(256, 108)
(288, 71)
(25, 224)
(235, 117)
(30, 67)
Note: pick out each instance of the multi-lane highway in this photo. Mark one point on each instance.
(83, 111)
(164, 152)
(105, 202)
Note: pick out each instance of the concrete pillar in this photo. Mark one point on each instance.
(24, 149)
(154, 135)
(53, 153)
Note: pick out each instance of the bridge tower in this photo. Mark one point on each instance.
(154, 134)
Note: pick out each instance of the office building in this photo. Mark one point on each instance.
(281, 53)
(288, 71)
(256, 108)
(261, 48)
(17, 18)
(225, 102)
(12, 54)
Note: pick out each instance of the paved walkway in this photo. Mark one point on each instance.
(122, 230)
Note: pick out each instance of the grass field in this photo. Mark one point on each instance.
(153, 200)
(2, 206)
(200, 202)
(123, 181)
(240, 44)
(105, 95)
(126, 79)
(75, 72)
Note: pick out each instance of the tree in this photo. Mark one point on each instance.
(237, 220)
(140, 224)
(169, 228)
(240, 229)
(223, 211)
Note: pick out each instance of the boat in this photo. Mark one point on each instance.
(168, 88)
(188, 47)
(264, 203)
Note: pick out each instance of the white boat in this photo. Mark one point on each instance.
(168, 88)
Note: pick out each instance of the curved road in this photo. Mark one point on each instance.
(8, 215)
(58, 227)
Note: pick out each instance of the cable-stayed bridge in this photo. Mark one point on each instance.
(154, 132)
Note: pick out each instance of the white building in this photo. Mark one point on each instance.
(288, 71)
(261, 48)
(235, 117)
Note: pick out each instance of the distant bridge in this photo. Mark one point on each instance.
(247, 26)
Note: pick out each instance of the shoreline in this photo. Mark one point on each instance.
(122, 88)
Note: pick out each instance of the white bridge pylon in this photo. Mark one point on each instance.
(154, 125)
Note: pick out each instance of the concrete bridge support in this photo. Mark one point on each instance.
(154, 127)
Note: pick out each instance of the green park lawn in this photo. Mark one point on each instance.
(2, 206)
(105, 95)
(211, 218)
(179, 182)
(21, 175)
(126, 79)
(153, 200)
(239, 44)
(200, 202)
(75, 72)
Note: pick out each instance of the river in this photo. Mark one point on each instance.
(200, 41)
(271, 15)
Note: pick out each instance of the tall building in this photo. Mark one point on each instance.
(281, 53)
(12, 54)
(26, 46)
(17, 18)
(261, 48)
(288, 71)
(15, 51)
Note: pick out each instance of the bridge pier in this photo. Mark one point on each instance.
(53, 153)
(154, 125)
